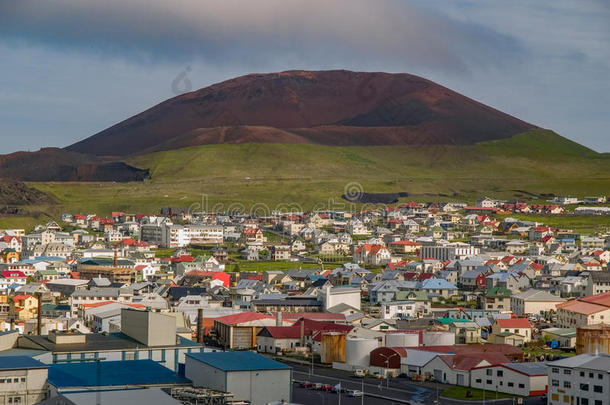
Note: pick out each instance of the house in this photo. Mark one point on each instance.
(280, 252)
(404, 309)
(598, 282)
(252, 234)
(534, 302)
(466, 332)
(496, 298)
(275, 339)
(523, 379)
(519, 326)
(437, 287)
(248, 376)
(24, 306)
(455, 369)
(471, 280)
(372, 254)
(405, 247)
(584, 311)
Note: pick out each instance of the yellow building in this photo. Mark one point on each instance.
(24, 306)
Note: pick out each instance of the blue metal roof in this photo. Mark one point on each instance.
(20, 362)
(128, 372)
(238, 361)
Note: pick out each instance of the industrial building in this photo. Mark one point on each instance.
(23, 380)
(247, 375)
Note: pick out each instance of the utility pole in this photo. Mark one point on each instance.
(362, 397)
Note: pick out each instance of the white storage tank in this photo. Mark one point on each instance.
(358, 350)
(439, 339)
(402, 340)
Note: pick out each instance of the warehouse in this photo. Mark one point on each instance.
(524, 379)
(246, 375)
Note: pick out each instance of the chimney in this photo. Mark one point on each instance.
(279, 319)
(39, 314)
(199, 325)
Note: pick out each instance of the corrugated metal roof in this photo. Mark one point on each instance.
(238, 361)
(129, 372)
(20, 362)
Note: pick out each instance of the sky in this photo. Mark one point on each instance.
(71, 69)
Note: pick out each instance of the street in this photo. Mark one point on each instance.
(385, 392)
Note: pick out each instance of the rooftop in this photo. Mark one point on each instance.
(20, 362)
(109, 373)
(238, 361)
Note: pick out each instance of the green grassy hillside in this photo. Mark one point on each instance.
(315, 176)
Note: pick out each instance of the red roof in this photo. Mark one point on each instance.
(8, 239)
(316, 316)
(311, 328)
(243, 317)
(12, 274)
(21, 297)
(514, 323)
(472, 360)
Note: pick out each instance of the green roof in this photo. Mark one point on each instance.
(448, 321)
(47, 272)
(498, 292)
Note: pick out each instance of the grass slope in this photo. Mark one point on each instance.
(314, 176)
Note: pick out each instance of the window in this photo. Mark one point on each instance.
(500, 373)
(600, 376)
(598, 388)
(567, 384)
(584, 387)
(489, 371)
(478, 380)
(22, 379)
(598, 402)
(584, 401)
(488, 382)
(510, 384)
(567, 372)
(521, 385)
(554, 383)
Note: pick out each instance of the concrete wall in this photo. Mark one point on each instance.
(258, 386)
(149, 328)
(29, 385)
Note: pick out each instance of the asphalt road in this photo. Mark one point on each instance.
(395, 391)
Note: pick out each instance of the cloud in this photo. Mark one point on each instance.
(235, 31)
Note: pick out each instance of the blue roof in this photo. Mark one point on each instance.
(437, 284)
(128, 372)
(19, 362)
(238, 361)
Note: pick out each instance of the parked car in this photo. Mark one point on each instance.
(359, 373)
(337, 389)
(327, 387)
(306, 384)
(317, 386)
(354, 393)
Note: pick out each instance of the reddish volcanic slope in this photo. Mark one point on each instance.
(326, 107)
(53, 164)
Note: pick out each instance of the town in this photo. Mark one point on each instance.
(413, 303)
